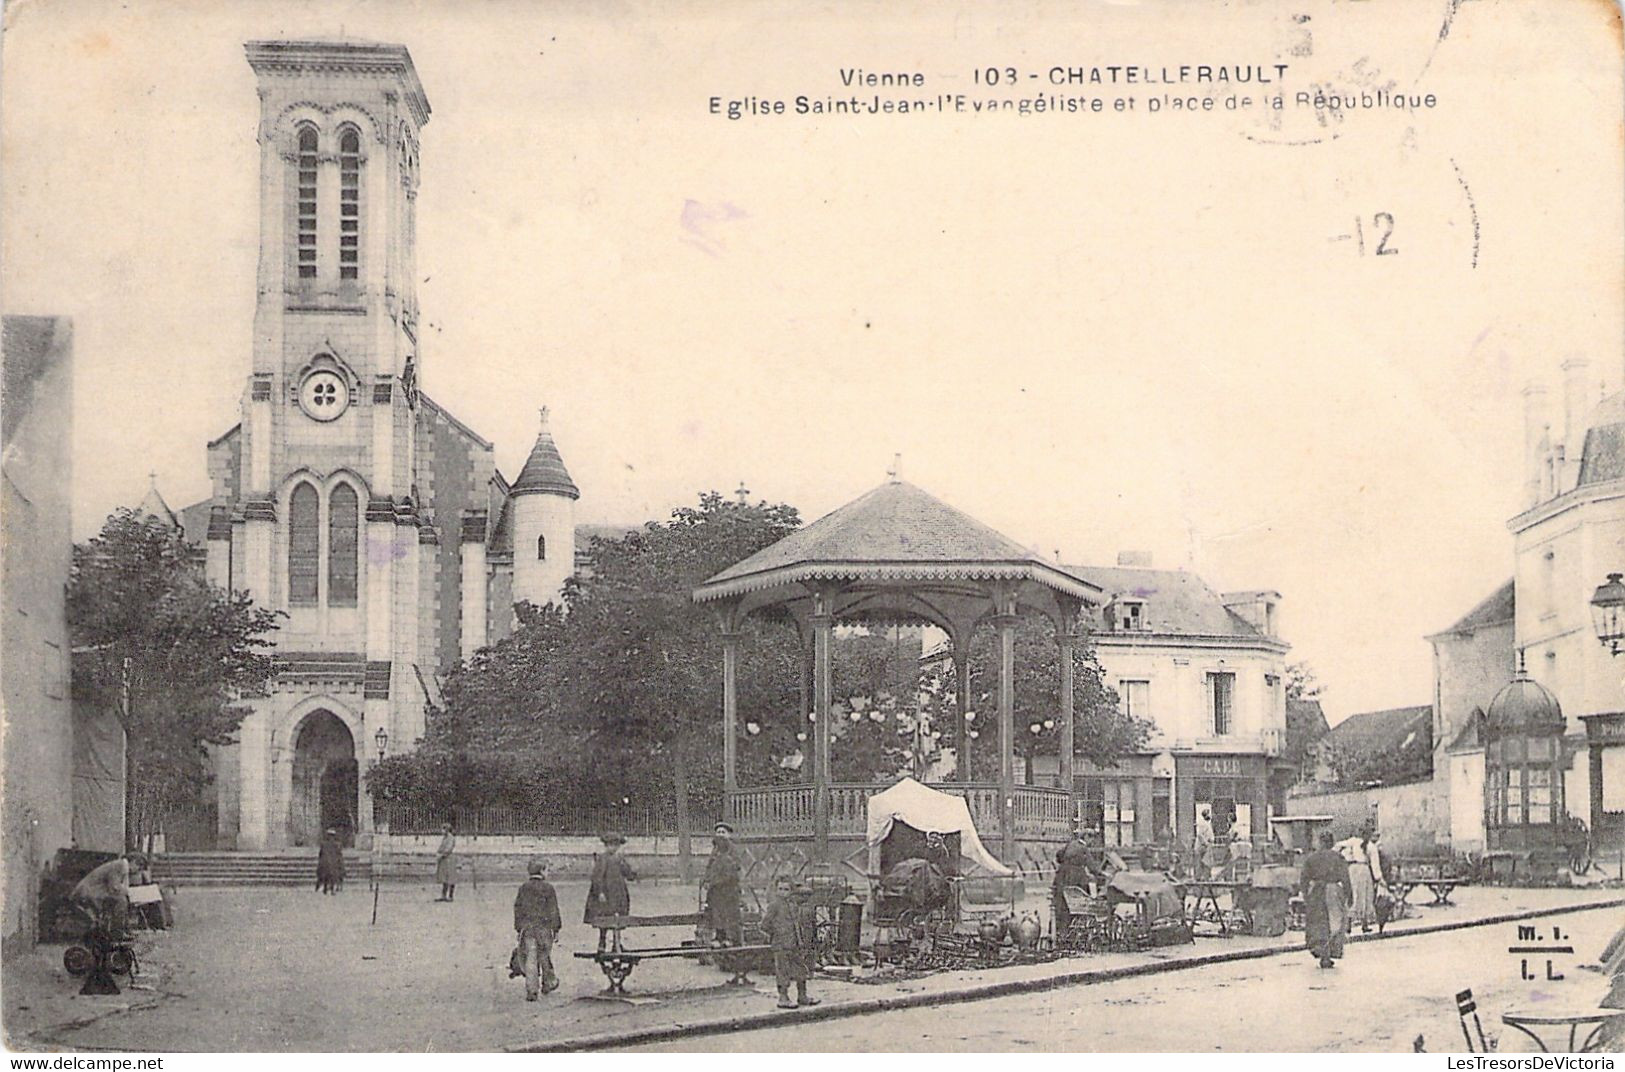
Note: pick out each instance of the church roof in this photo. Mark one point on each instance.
(154, 506)
(895, 531)
(1495, 609)
(1175, 601)
(544, 471)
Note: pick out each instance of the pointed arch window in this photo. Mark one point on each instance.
(541, 548)
(349, 204)
(305, 227)
(342, 524)
(304, 545)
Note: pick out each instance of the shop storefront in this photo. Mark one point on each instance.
(1605, 747)
(1136, 802)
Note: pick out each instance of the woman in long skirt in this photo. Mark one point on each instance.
(445, 866)
(329, 863)
(1326, 889)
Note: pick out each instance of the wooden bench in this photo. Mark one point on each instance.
(617, 961)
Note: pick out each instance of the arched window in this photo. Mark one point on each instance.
(541, 548)
(342, 521)
(349, 205)
(304, 545)
(305, 227)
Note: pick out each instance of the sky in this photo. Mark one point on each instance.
(1166, 332)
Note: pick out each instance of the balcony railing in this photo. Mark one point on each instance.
(788, 810)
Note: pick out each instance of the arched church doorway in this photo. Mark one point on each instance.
(325, 782)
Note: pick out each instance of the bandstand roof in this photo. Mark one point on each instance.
(897, 553)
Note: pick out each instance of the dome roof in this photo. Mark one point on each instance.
(1603, 457)
(544, 471)
(1524, 706)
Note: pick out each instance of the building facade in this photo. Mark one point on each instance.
(1568, 537)
(346, 497)
(1209, 670)
(37, 352)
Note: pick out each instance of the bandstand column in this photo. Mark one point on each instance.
(730, 712)
(1006, 624)
(1067, 640)
(961, 649)
(823, 624)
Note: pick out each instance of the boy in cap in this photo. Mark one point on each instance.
(608, 895)
(788, 922)
(536, 919)
(720, 888)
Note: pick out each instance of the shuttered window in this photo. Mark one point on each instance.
(305, 227)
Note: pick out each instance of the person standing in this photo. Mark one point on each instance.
(537, 921)
(445, 865)
(329, 863)
(609, 895)
(1074, 868)
(723, 910)
(1327, 888)
(789, 924)
(1356, 854)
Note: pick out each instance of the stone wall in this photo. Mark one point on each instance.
(1414, 818)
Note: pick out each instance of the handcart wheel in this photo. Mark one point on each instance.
(78, 960)
(121, 961)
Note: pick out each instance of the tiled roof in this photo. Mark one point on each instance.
(1176, 602)
(1496, 608)
(1383, 731)
(194, 522)
(896, 522)
(544, 470)
(154, 506)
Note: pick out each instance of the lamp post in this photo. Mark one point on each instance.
(1608, 619)
(381, 739)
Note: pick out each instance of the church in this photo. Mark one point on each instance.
(346, 497)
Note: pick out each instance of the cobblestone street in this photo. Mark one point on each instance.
(282, 969)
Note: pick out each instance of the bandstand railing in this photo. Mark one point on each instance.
(787, 811)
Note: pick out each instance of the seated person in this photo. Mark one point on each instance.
(104, 895)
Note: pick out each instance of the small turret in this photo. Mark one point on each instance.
(154, 506)
(544, 500)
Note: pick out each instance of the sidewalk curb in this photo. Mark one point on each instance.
(982, 991)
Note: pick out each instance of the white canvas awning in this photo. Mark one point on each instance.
(932, 812)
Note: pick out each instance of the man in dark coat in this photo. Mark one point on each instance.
(1327, 891)
(720, 888)
(609, 895)
(330, 863)
(789, 924)
(1076, 865)
(536, 919)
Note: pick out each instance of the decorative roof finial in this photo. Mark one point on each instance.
(152, 479)
(894, 474)
(546, 423)
(742, 493)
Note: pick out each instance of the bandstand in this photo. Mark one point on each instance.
(897, 554)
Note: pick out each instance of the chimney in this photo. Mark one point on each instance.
(1139, 559)
(1577, 396)
(1534, 428)
(1257, 608)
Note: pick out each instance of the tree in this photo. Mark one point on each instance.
(1102, 733)
(170, 655)
(1305, 721)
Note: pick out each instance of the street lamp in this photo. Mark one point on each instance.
(381, 739)
(1608, 613)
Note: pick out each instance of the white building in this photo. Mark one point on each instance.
(1567, 539)
(1209, 671)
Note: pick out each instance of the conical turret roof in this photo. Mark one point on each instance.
(544, 471)
(155, 506)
